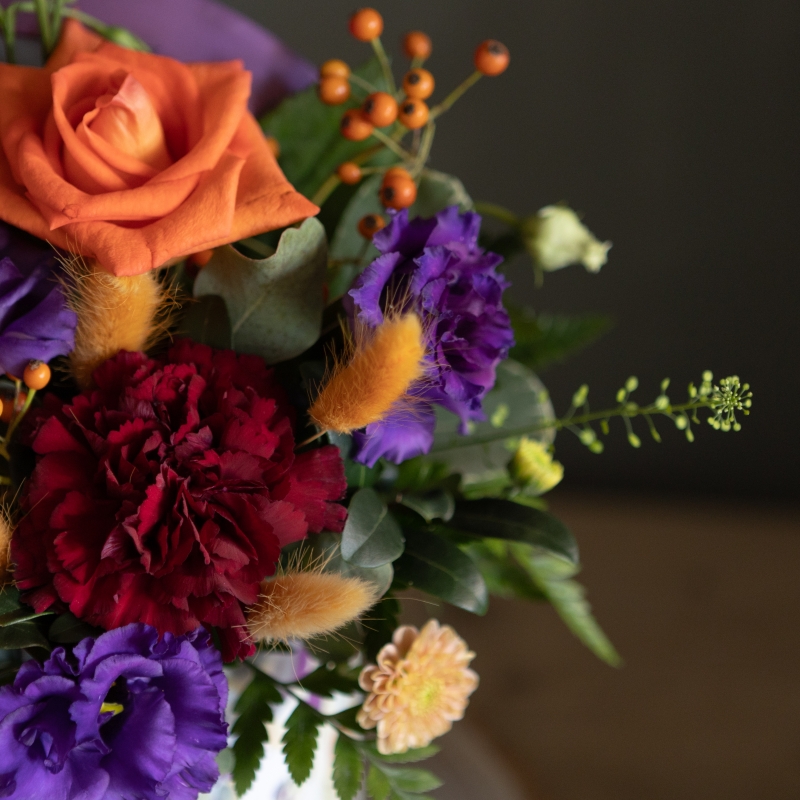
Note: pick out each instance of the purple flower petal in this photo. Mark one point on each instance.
(397, 437)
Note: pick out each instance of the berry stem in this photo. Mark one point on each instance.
(362, 83)
(387, 141)
(424, 149)
(447, 103)
(18, 417)
(380, 53)
(498, 212)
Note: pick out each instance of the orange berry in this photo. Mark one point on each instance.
(380, 108)
(36, 375)
(349, 172)
(396, 171)
(417, 44)
(274, 145)
(201, 258)
(355, 126)
(366, 24)
(6, 409)
(334, 91)
(334, 68)
(491, 58)
(419, 83)
(398, 192)
(368, 226)
(414, 113)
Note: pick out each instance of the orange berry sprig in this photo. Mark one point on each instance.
(418, 47)
(366, 25)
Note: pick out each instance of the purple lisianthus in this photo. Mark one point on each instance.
(124, 716)
(435, 267)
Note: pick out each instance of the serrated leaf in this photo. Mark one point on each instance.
(435, 504)
(553, 576)
(435, 565)
(519, 401)
(324, 682)
(348, 768)
(68, 629)
(411, 780)
(409, 757)
(371, 536)
(435, 191)
(543, 339)
(255, 710)
(274, 304)
(25, 634)
(300, 742)
(308, 133)
(378, 786)
(491, 518)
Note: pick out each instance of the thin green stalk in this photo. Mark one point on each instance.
(377, 46)
(392, 144)
(362, 83)
(45, 30)
(18, 417)
(498, 212)
(447, 103)
(424, 148)
(559, 424)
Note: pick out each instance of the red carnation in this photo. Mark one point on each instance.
(165, 495)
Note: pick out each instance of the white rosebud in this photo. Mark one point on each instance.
(555, 238)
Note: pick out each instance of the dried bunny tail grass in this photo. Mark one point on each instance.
(113, 314)
(6, 530)
(304, 604)
(379, 374)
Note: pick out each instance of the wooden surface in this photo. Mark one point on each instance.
(702, 599)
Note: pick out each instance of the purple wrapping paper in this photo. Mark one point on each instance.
(203, 30)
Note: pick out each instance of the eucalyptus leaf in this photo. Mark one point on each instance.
(502, 519)
(435, 565)
(543, 339)
(22, 614)
(21, 636)
(274, 304)
(519, 400)
(307, 130)
(352, 254)
(371, 536)
(435, 504)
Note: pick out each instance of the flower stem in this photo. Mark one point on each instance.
(498, 212)
(18, 417)
(377, 46)
(569, 421)
(448, 102)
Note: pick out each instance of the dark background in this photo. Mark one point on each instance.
(674, 128)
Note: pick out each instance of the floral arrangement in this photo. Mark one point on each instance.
(261, 377)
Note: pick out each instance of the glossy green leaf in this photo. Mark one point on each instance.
(518, 401)
(68, 629)
(300, 742)
(553, 576)
(435, 565)
(22, 614)
(274, 304)
(348, 768)
(543, 339)
(255, 710)
(308, 133)
(435, 191)
(9, 599)
(435, 504)
(501, 519)
(371, 535)
(504, 575)
(21, 636)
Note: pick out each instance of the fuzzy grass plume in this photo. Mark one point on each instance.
(113, 314)
(302, 604)
(6, 529)
(378, 375)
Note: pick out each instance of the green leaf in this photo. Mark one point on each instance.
(22, 614)
(205, 320)
(501, 519)
(21, 636)
(553, 576)
(518, 401)
(420, 474)
(436, 566)
(324, 682)
(411, 780)
(436, 504)
(68, 629)
(409, 757)
(300, 742)
(255, 710)
(327, 545)
(435, 191)
(348, 768)
(274, 304)
(9, 599)
(544, 339)
(371, 535)
(308, 133)
(377, 784)
(504, 575)
(380, 623)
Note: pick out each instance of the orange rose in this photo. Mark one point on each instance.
(136, 159)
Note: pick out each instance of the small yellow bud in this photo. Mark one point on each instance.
(533, 467)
